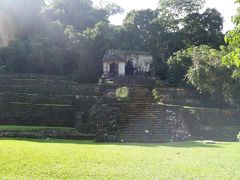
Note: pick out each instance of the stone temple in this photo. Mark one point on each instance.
(119, 62)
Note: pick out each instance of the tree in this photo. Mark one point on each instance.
(111, 8)
(178, 66)
(137, 29)
(232, 38)
(205, 28)
(179, 8)
(208, 75)
(78, 13)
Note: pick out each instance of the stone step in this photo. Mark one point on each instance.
(32, 76)
(42, 99)
(36, 98)
(43, 82)
(135, 119)
(49, 90)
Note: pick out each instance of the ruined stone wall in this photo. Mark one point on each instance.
(43, 100)
(210, 123)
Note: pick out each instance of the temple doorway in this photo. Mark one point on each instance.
(113, 69)
(129, 68)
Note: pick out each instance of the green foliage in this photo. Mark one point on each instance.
(159, 32)
(205, 73)
(122, 94)
(156, 95)
(112, 8)
(69, 37)
(178, 65)
(232, 38)
(208, 75)
(78, 13)
(181, 7)
(201, 67)
(137, 30)
(53, 47)
(171, 12)
(205, 28)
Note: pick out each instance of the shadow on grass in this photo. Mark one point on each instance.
(188, 144)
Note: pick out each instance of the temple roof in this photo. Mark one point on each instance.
(113, 55)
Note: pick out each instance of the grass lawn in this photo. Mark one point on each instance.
(63, 159)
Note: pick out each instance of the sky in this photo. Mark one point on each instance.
(226, 7)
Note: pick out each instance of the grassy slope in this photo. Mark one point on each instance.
(86, 160)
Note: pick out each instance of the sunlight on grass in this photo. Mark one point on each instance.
(63, 159)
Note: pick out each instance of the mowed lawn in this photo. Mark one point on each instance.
(64, 159)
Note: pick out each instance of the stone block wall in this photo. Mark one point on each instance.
(210, 123)
(27, 99)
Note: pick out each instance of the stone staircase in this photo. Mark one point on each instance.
(144, 122)
(141, 95)
(141, 120)
(160, 113)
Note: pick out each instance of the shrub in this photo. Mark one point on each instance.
(156, 95)
(178, 65)
(122, 94)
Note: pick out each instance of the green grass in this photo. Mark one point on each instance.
(64, 159)
(33, 128)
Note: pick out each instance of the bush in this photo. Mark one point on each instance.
(178, 65)
(122, 94)
(156, 95)
(238, 136)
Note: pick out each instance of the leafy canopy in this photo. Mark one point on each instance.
(232, 57)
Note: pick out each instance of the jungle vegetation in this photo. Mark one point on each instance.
(69, 37)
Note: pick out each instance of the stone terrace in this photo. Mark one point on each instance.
(41, 100)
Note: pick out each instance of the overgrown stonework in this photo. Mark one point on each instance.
(63, 134)
(178, 128)
(106, 117)
(136, 118)
(38, 100)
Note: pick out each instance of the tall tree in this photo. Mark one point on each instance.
(78, 13)
(205, 28)
(232, 57)
(180, 8)
(208, 75)
(138, 27)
